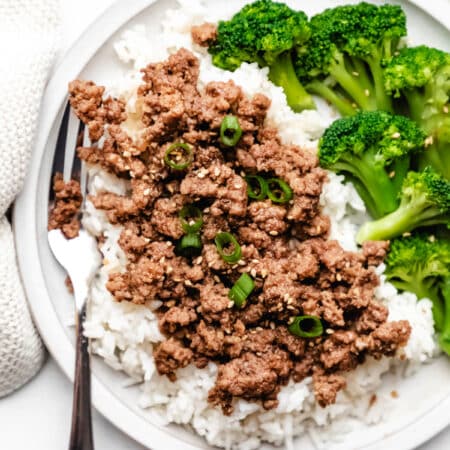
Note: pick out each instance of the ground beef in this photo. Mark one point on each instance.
(295, 268)
(64, 215)
(204, 34)
(171, 355)
(86, 99)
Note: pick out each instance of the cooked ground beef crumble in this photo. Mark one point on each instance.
(66, 209)
(296, 269)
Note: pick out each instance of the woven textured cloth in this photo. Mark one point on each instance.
(28, 37)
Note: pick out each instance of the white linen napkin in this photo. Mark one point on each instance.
(28, 36)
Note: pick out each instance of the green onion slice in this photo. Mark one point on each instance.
(230, 131)
(191, 219)
(178, 156)
(306, 326)
(190, 244)
(228, 247)
(241, 290)
(279, 191)
(257, 187)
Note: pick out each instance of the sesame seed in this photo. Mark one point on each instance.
(338, 277)
(206, 210)
(329, 331)
(126, 154)
(273, 233)
(162, 260)
(355, 73)
(395, 135)
(255, 261)
(272, 325)
(216, 171)
(128, 232)
(367, 92)
(168, 243)
(188, 282)
(290, 320)
(432, 238)
(392, 174)
(147, 191)
(241, 262)
(237, 185)
(253, 273)
(445, 109)
(199, 260)
(145, 177)
(242, 173)
(230, 304)
(429, 141)
(127, 167)
(169, 269)
(216, 279)
(264, 273)
(406, 234)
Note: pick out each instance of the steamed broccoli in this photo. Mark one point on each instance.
(372, 149)
(421, 264)
(422, 76)
(265, 32)
(342, 61)
(424, 201)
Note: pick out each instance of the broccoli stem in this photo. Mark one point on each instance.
(350, 83)
(319, 88)
(375, 180)
(282, 73)
(363, 78)
(416, 104)
(437, 156)
(408, 216)
(383, 101)
(444, 338)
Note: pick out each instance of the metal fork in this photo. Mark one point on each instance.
(80, 258)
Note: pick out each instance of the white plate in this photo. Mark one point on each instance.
(424, 399)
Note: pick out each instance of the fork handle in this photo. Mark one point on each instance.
(81, 431)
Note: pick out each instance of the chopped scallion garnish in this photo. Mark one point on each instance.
(190, 244)
(230, 131)
(256, 187)
(191, 219)
(228, 247)
(178, 156)
(279, 191)
(241, 290)
(306, 326)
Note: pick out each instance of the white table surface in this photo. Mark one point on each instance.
(37, 417)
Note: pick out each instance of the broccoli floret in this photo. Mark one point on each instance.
(421, 264)
(424, 201)
(265, 32)
(372, 149)
(421, 75)
(343, 60)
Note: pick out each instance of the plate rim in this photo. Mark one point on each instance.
(141, 430)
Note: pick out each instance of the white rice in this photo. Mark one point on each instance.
(123, 334)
